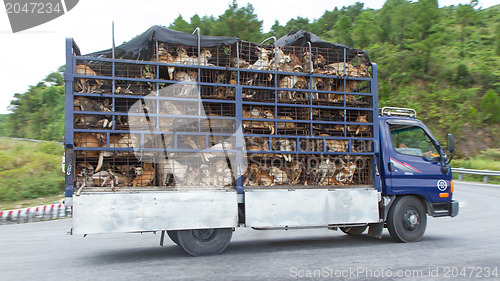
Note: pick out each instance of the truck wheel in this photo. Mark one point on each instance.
(407, 219)
(202, 242)
(173, 234)
(354, 230)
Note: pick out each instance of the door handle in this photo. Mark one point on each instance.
(391, 167)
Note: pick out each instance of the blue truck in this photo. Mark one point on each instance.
(192, 136)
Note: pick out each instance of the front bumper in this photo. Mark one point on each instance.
(444, 209)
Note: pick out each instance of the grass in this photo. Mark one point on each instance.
(486, 160)
(52, 199)
(29, 170)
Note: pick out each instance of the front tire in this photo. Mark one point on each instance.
(407, 219)
(203, 242)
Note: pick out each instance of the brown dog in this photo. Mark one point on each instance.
(146, 177)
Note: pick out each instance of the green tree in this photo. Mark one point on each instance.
(239, 22)
(466, 16)
(490, 107)
(425, 29)
(327, 21)
(365, 29)
(342, 30)
(497, 40)
(39, 112)
(180, 24)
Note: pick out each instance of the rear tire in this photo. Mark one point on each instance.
(354, 230)
(203, 242)
(407, 219)
(173, 234)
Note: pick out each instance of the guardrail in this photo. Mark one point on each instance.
(484, 173)
(32, 214)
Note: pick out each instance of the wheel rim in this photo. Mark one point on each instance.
(204, 234)
(411, 219)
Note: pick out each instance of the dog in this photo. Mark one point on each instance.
(347, 69)
(361, 128)
(286, 125)
(294, 172)
(258, 176)
(198, 143)
(295, 63)
(286, 82)
(292, 82)
(327, 170)
(86, 104)
(302, 84)
(316, 61)
(332, 145)
(110, 178)
(351, 86)
(92, 140)
(183, 58)
(320, 84)
(165, 56)
(225, 92)
(222, 174)
(257, 143)
(346, 172)
(146, 177)
(239, 63)
(262, 62)
(279, 176)
(258, 112)
(171, 168)
(87, 85)
(189, 76)
(283, 144)
(205, 56)
(281, 62)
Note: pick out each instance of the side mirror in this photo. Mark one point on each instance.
(451, 143)
(451, 147)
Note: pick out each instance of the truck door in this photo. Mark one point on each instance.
(415, 161)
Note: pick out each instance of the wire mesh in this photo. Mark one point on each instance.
(308, 133)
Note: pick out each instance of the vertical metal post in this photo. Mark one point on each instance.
(310, 87)
(275, 50)
(197, 30)
(375, 127)
(199, 62)
(157, 84)
(344, 82)
(68, 121)
(113, 122)
(485, 179)
(238, 59)
(310, 57)
(240, 145)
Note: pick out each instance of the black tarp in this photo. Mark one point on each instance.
(142, 46)
(299, 38)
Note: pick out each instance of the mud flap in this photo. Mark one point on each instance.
(375, 229)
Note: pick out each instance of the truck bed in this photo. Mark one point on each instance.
(226, 123)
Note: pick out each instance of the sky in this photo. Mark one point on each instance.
(29, 56)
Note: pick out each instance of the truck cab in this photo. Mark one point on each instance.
(415, 172)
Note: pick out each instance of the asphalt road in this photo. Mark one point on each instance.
(462, 248)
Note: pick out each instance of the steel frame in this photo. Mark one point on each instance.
(73, 56)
